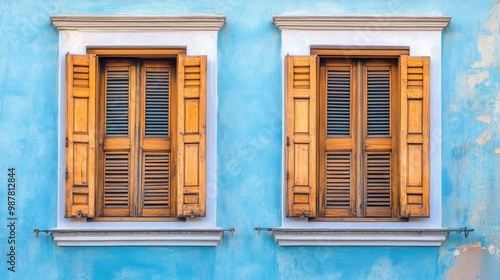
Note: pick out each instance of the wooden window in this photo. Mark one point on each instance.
(135, 140)
(351, 154)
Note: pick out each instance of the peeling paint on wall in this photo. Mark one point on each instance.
(470, 261)
(468, 264)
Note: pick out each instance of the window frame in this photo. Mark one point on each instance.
(356, 139)
(357, 57)
(198, 36)
(302, 34)
(138, 59)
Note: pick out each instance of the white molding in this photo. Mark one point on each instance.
(348, 23)
(101, 237)
(195, 43)
(420, 43)
(359, 237)
(138, 23)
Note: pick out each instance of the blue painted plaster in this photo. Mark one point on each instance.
(249, 147)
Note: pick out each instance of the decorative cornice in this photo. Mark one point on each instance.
(360, 23)
(359, 237)
(138, 23)
(187, 237)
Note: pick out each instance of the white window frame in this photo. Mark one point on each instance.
(422, 35)
(198, 35)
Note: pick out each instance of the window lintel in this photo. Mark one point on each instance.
(357, 52)
(136, 52)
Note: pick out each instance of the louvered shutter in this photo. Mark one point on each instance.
(414, 137)
(191, 126)
(117, 155)
(337, 144)
(156, 191)
(377, 152)
(301, 161)
(81, 135)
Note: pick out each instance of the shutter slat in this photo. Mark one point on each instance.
(157, 101)
(116, 180)
(338, 180)
(338, 102)
(117, 101)
(378, 102)
(378, 180)
(156, 181)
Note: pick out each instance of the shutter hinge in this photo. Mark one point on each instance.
(287, 175)
(66, 174)
(288, 141)
(303, 213)
(67, 142)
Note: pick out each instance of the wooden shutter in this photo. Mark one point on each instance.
(301, 161)
(80, 135)
(156, 138)
(379, 82)
(337, 138)
(414, 137)
(191, 126)
(117, 155)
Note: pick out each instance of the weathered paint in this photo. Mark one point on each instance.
(249, 147)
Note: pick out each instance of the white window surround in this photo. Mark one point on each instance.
(198, 34)
(422, 35)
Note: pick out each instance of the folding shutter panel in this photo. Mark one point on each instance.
(117, 154)
(156, 157)
(377, 145)
(414, 137)
(301, 135)
(80, 135)
(191, 125)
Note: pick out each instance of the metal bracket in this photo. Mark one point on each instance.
(258, 229)
(37, 231)
(231, 230)
(464, 230)
(193, 214)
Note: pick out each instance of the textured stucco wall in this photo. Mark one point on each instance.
(249, 148)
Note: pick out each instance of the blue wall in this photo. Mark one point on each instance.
(249, 147)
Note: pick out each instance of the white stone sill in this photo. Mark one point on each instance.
(359, 237)
(135, 237)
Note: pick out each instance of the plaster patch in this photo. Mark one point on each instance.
(487, 47)
(497, 150)
(488, 44)
(485, 119)
(484, 138)
(456, 253)
(493, 26)
(491, 249)
(468, 265)
(495, 22)
(470, 81)
(477, 79)
(383, 269)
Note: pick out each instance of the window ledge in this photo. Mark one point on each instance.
(359, 237)
(365, 23)
(138, 23)
(184, 237)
